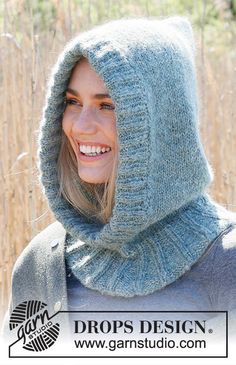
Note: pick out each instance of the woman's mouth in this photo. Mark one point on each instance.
(89, 157)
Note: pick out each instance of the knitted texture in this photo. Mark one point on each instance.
(163, 220)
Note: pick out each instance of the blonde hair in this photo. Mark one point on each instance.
(91, 200)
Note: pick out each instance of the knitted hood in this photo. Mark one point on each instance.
(163, 220)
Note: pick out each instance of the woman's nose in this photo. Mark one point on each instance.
(85, 123)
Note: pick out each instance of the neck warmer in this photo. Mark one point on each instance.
(163, 219)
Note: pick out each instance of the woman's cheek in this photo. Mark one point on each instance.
(66, 125)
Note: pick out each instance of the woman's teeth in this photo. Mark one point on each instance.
(93, 151)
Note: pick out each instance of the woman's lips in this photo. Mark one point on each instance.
(93, 158)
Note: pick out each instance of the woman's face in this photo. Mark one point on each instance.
(89, 122)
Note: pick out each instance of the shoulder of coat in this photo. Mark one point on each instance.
(54, 232)
(45, 241)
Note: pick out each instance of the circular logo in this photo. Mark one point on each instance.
(34, 326)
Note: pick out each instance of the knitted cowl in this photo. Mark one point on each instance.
(163, 219)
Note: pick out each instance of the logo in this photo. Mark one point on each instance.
(34, 326)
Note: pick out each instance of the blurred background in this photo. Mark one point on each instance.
(32, 33)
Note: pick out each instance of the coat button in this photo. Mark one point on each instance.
(57, 306)
(54, 243)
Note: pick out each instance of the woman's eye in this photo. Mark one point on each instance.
(109, 106)
(75, 102)
(71, 102)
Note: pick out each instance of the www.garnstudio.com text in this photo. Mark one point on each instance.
(146, 343)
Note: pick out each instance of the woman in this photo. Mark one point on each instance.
(125, 175)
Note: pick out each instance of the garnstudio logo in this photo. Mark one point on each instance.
(34, 326)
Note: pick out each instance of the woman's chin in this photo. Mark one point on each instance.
(92, 179)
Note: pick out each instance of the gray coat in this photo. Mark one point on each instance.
(39, 274)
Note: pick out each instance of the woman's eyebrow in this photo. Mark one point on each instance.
(95, 96)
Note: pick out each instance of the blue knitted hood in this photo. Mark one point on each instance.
(163, 220)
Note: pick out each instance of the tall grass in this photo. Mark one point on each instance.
(31, 39)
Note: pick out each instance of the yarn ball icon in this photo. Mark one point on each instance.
(34, 326)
